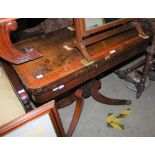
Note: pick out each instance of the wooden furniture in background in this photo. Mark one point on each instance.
(86, 37)
(7, 50)
(146, 63)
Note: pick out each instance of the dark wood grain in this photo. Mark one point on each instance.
(63, 67)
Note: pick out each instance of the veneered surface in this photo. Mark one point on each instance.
(58, 62)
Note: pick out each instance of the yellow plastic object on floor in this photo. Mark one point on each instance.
(113, 121)
(10, 106)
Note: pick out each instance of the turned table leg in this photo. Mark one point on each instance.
(140, 86)
(149, 59)
(96, 85)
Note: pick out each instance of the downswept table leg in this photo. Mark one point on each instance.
(66, 101)
(96, 85)
(78, 97)
(77, 112)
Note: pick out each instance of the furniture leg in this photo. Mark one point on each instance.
(86, 87)
(140, 86)
(83, 51)
(96, 85)
(149, 59)
(140, 30)
(77, 112)
(124, 73)
(66, 102)
(78, 96)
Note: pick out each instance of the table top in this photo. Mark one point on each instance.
(58, 62)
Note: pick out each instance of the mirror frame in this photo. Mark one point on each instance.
(85, 32)
(86, 37)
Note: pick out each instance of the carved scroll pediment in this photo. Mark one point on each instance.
(8, 51)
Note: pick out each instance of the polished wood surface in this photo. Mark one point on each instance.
(59, 62)
(60, 67)
(7, 50)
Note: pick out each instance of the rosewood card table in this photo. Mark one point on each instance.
(62, 73)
